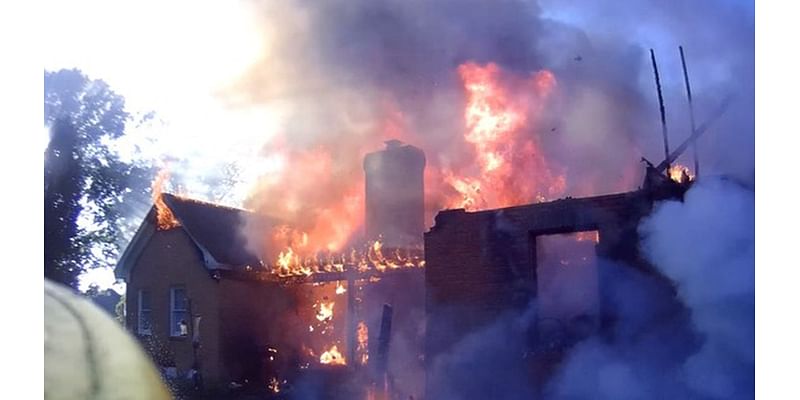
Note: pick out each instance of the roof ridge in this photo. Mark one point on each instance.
(173, 197)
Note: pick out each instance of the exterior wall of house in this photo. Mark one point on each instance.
(480, 265)
(170, 258)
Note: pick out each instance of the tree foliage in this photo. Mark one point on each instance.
(89, 188)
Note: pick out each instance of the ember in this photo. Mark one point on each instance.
(274, 385)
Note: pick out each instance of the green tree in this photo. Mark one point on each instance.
(89, 188)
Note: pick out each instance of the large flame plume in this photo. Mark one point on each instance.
(319, 191)
(499, 117)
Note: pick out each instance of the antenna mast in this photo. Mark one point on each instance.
(661, 108)
(691, 112)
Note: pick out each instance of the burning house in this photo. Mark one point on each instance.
(203, 302)
(347, 295)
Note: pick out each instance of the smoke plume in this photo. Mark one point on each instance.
(340, 77)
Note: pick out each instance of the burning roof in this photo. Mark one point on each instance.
(215, 229)
(218, 233)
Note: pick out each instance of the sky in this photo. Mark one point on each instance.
(171, 58)
(168, 57)
(181, 60)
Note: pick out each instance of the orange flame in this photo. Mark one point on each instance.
(165, 219)
(512, 169)
(321, 205)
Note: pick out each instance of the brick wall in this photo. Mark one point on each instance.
(170, 258)
(482, 264)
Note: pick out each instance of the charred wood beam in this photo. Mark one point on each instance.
(351, 321)
(321, 277)
(317, 277)
(384, 339)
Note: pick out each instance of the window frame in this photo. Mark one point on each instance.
(140, 329)
(173, 323)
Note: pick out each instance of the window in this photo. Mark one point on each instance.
(179, 312)
(145, 313)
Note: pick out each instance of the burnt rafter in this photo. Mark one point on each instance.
(349, 272)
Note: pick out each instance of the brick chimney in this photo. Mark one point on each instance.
(395, 195)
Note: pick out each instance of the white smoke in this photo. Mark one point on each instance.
(705, 246)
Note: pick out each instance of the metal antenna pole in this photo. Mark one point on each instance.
(691, 111)
(661, 107)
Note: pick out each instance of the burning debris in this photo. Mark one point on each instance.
(362, 349)
(370, 259)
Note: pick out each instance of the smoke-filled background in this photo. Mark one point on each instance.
(562, 94)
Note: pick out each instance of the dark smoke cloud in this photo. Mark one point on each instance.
(342, 71)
